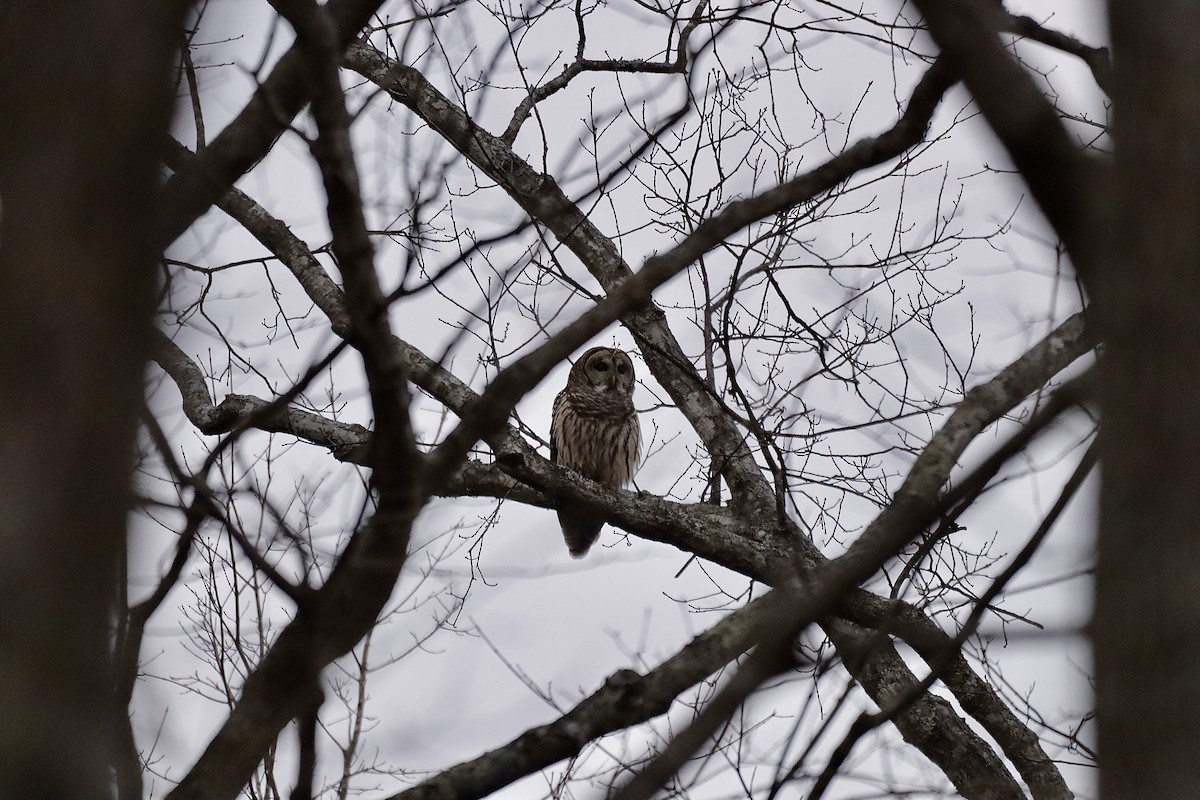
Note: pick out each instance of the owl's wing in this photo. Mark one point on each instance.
(560, 401)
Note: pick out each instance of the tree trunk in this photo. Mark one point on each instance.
(1147, 627)
(85, 99)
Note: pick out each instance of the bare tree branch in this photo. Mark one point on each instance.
(1067, 185)
(243, 143)
(625, 699)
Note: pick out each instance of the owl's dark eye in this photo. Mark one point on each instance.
(621, 369)
(600, 366)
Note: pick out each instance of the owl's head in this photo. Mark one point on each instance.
(604, 369)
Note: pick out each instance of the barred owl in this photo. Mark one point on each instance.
(595, 432)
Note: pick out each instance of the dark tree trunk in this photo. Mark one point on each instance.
(84, 104)
(1148, 585)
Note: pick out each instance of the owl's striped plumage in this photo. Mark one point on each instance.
(595, 432)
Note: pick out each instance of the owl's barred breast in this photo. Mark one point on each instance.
(600, 440)
(607, 406)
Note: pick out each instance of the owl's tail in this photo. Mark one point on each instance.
(580, 530)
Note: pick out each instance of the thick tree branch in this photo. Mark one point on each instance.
(1051, 785)
(1098, 59)
(982, 406)
(396, 457)
(245, 141)
(976, 697)
(625, 699)
(1066, 184)
(347, 441)
(821, 593)
(283, 684)
(273, 234)
(930, 723)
